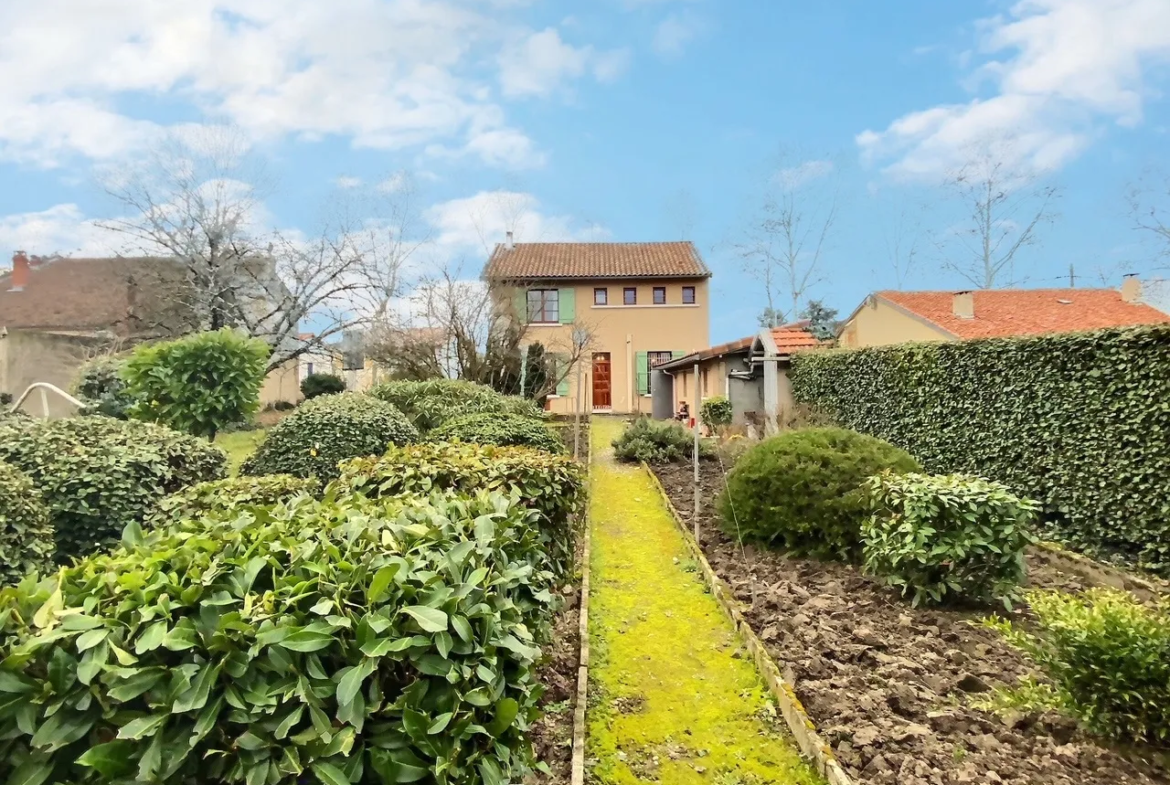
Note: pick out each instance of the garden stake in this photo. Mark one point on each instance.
(695, 450)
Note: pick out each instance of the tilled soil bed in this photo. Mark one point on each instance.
(889, 685)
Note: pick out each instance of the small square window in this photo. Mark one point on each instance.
(660, 295)
(630, 295)
(688, 295)
(601, 296)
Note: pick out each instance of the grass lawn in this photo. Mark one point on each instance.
(239, 445)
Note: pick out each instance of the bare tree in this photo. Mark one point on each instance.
(1149, 206)
(197, 198)
(902, 236)
(784, 243)
(1006, 204)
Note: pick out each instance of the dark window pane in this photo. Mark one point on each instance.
(659, 295)
(688, 295)
(544, 305)
(601, 296)
(630, 296)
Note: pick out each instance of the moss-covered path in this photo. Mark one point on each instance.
(670, 701)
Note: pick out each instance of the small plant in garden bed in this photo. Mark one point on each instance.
(657, 441)
(346, 640)
(552, 485)
(197, 384)
(946, 537)
(26, 535)
(716, 411)
(97, 474)
(1108, 657)
(322, 432)
(801, 490)
(502, 430)
(232, 494)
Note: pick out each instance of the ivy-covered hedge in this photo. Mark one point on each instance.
(1079, 422)
(26, 536)
(336, 641)
(97, 474)
(552, 485)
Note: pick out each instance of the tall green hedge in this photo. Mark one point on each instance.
(1079, 422)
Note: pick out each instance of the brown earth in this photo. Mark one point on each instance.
(888, 685)
(552, 734)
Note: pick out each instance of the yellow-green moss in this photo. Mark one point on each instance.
(672, 698)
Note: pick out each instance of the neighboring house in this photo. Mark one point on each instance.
(640, 304)
(752, 372)
(57, 312)
(897, 317)
(320, 359)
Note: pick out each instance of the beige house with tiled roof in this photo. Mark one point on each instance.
(641, 304)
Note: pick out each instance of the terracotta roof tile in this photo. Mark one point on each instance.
(793, 337)
(1005, 312)
(544, 261)
(732, 347)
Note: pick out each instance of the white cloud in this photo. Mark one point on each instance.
(675, 32)
(540, 64)
(348, 182)
(62, 229)
(385, 74)
(796, 176)
(1059, 67)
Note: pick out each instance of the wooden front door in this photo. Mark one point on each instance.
(601, 384)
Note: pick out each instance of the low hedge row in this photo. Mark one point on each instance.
(26, 535)
(321, 433)
(1080, 422)
(345, 640)
(432, 403)
(552, 485)
(231, 494)
(97, 474)
(501, 430)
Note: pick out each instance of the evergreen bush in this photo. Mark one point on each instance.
(801, 491)
(26, 535)
(321, 433)
(99, 384)
(431, 403)
(232, 493)
(716, 411)
(502, 430)
(655, 441)
(316, 384)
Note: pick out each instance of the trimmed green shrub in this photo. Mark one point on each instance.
(197, 384)
(801, 490)
(329, 429)
(947, 537)
(1077, 421)
(502, 430)
(716, 411)
(654, 441)
(100, 385)
(26, 536)
(553, 485)
(337, 641)
(97, 475)
(232, 494)
(431, 403)
(1108, 657)
(317, 384)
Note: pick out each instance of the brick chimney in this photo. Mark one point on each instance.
(19, 272)
(1131, 288)
(964, 305)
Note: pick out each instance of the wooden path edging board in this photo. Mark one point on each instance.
(802, 727)
(578, 772)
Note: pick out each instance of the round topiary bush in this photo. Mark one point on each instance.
(26, 535)
(502, 430)
(802, 490)
(97, 474)
(317, 384)
(431, 403)
(717, 412)
(232, 493)
(312, 440)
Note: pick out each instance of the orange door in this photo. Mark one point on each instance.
(601, 388)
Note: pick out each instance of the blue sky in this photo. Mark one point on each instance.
(613, 119)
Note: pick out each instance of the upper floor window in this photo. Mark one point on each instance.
(688, 295)
(544, 305)
(660, 295)
(601, 296)
(630, 295)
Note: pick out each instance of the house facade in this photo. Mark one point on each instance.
(891, 317)
(58, 312)
(606, 312)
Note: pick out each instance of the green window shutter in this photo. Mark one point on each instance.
(520, 303)
(643, 374)
(562, 366)
(568, 305)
